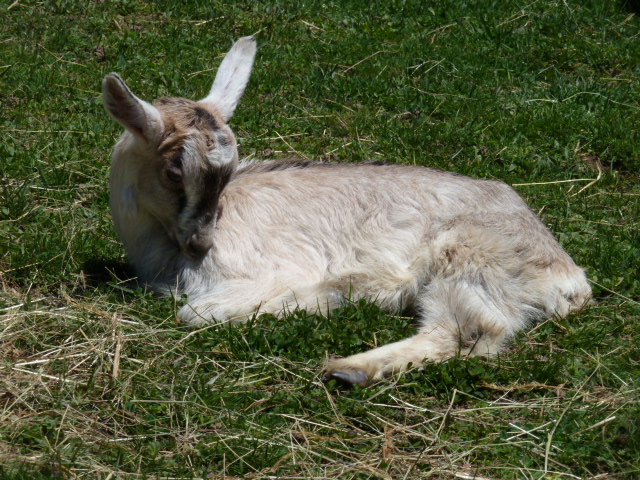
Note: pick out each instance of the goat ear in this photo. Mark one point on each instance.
(232, 77)
(139, 117)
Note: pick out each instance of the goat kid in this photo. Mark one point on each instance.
(241, 238)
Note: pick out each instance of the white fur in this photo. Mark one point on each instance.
(232, 77)
(468, 254)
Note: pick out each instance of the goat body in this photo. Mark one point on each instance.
(240, 238)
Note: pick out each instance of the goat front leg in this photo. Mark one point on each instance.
(226, 302)
(209, 310)
(238, 302)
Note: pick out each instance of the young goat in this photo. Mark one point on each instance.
(245, 237)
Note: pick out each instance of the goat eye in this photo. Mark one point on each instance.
(174, 175)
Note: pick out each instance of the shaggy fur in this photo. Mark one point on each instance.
(245, 237)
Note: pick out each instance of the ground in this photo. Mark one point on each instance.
(98, 380)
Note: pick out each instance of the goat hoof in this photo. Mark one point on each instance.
(347, 377)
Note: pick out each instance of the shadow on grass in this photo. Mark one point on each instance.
(632, 5)
(100, 271)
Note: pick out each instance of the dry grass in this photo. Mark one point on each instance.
(70, 369)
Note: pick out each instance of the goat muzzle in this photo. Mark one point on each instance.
(197, 247)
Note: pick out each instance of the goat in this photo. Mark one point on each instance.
(247, 237)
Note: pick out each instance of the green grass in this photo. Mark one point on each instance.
(98, 380)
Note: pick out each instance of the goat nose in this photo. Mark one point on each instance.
(196, 247)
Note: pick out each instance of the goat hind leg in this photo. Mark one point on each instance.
(362, 368)
(457, 318)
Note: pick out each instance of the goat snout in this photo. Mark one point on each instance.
(197, 247)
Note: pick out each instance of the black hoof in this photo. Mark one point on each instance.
(348, 378)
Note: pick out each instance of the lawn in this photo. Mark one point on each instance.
(99, 381)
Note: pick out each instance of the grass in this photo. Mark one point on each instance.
(98, 380)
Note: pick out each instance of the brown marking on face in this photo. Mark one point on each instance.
(200, 124)
(202, 118)
(183, 118)
(187, 114)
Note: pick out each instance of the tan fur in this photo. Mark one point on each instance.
(241, 238)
